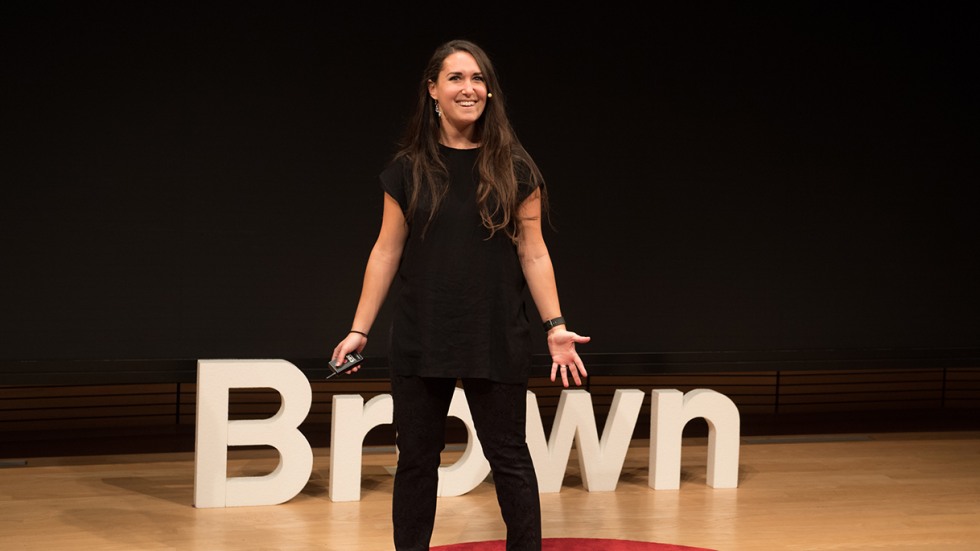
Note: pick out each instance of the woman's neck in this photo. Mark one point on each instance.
(450, 137)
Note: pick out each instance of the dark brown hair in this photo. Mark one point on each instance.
(500, 159)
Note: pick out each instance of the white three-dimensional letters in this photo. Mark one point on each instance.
(599, 458)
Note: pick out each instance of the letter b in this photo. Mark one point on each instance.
(212, 487)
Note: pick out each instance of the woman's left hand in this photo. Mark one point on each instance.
(564, 358)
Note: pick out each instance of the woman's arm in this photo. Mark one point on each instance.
(382, 265)
(540, 275)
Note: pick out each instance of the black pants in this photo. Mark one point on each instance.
(421, 406)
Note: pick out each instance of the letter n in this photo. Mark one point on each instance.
(670, 411)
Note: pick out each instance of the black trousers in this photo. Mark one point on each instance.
(421, 406)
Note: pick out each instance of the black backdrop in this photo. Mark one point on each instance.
(199, 180)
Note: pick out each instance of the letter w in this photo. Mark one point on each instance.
(600, 461)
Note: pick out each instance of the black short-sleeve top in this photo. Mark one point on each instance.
(460, 311)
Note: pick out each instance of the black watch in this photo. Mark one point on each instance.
(553, 322)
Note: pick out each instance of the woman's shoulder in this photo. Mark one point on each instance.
(393, 176)
(395, 167)
(526, 171)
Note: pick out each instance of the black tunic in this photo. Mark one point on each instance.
(460, 311)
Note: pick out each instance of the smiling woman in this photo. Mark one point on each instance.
(461, 233)
(462, 89)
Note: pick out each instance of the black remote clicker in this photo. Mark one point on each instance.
(350, 361)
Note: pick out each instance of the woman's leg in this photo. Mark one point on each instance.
(499, 415)
(421, 406)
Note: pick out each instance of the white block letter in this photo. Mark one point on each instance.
(350, 424)
(670, 411)
(350, 421)
(212, 487)
(601, 462)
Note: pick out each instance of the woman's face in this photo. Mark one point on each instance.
(460, 90)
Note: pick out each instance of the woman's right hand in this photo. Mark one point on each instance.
(353, 342)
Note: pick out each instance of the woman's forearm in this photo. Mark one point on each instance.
(540, 275)
(378, 275)
(382, 265)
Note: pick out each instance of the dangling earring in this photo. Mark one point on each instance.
(438, 111)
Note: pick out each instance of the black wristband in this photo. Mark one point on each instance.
(553, 322)
(358, 332)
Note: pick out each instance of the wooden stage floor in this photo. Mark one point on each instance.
(894, 491)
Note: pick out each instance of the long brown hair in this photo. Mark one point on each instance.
(500, 159)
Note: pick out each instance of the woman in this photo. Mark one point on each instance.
(461, 229)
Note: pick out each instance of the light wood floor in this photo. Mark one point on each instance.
(908, 491)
